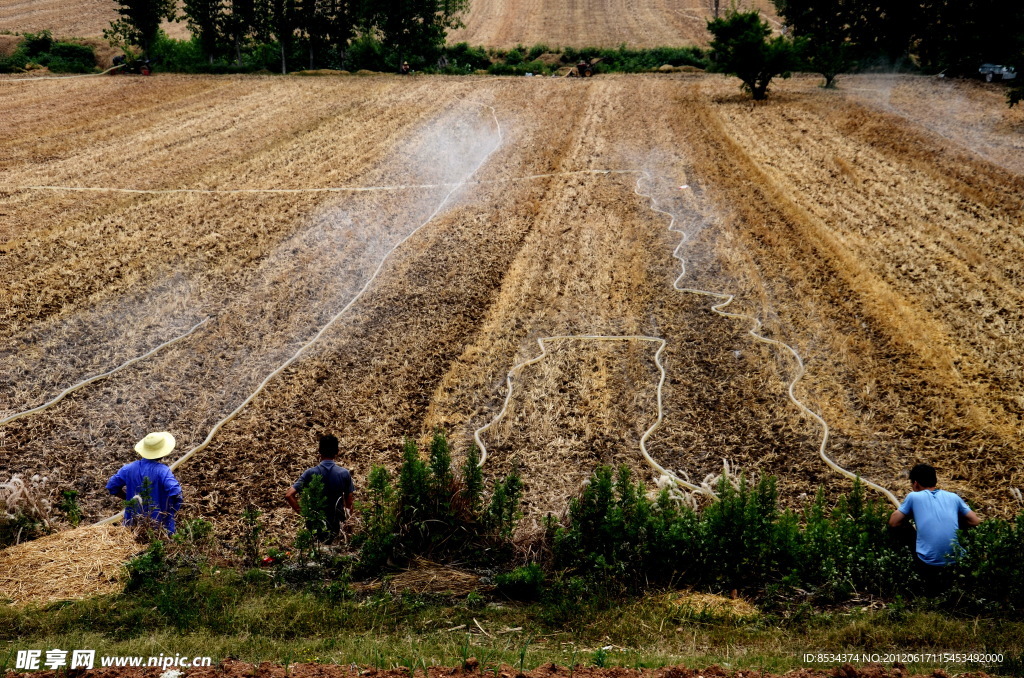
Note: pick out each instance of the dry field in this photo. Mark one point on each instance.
(439, 226)
(493, 23)
(66, 19)
(599, 23)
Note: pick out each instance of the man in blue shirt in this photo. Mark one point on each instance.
(938, 514)
(338, 487)
(151, 486)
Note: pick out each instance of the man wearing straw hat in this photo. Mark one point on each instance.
(153, 489)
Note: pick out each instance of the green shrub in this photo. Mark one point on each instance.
(249, 544)
(472, 482)
(34, 45)
(66, 57)
(147, 570)
(461, 55)
(366, 52)
(379, 537)
(503, 511)
(618, 538)
(70, 507)
(536, 51)
(522, 583)
(432, 513)
(989, 572)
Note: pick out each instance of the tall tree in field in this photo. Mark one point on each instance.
(742, 46)
(960, 35)
(204, 21)
(883, 30)
(240, 24)
(140, 22)
(825, 27)
(326, 23)
(416, 28)
(283, 19)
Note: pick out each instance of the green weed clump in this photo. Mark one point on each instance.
(618, 540)
(41, 49)
(433, 513)
(989, 571)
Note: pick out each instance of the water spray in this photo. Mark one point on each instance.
(259, 389)
(86, 382)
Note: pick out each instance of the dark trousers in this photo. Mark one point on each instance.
(935, 579)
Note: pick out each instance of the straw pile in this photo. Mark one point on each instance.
(67, 565)
(711, 604)
(424, 576)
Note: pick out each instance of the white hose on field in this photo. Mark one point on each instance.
(57, 77)
(727, 299)
(717, 308)
(315, 189)
(542, 342)
(259, 389)
(86, 382)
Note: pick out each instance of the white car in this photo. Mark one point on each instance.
(996, 72)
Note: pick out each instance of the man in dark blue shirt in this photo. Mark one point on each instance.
(338, 487)
(151, 486)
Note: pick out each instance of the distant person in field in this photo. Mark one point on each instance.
(338, 487)
(404, 70)
(147, 484)
(938, 514)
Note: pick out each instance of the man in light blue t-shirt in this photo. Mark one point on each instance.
(938, 514)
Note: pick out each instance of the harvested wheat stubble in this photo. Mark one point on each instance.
(69, 565)
(774, 214)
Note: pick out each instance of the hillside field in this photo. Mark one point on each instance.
(501, 24)
(437, 227)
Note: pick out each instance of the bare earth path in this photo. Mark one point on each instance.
(885, 250)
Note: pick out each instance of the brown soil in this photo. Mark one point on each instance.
(236, 669)
(884, 247)
(499, 24)
(503, 24)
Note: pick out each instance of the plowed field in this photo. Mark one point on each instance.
(438, 227)
(492, 23)
(601, 23)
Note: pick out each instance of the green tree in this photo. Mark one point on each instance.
(958, 36)
(282, 19)
(742, 47)
(139, 23)
(827, 48)
(416, 29)
(240, 24)
(205, 20)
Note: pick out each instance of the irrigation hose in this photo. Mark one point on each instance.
(259, 389)
(754, 332)
(59, 77)
(542, 342)
(717, 308)
(316, 189)
(86, 382)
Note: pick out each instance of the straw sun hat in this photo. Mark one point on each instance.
(155, 445)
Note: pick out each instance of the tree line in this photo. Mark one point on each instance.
(830, 37)
(303, 33)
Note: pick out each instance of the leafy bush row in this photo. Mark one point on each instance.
(41, 49)
(616, 540)
(619, 540)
